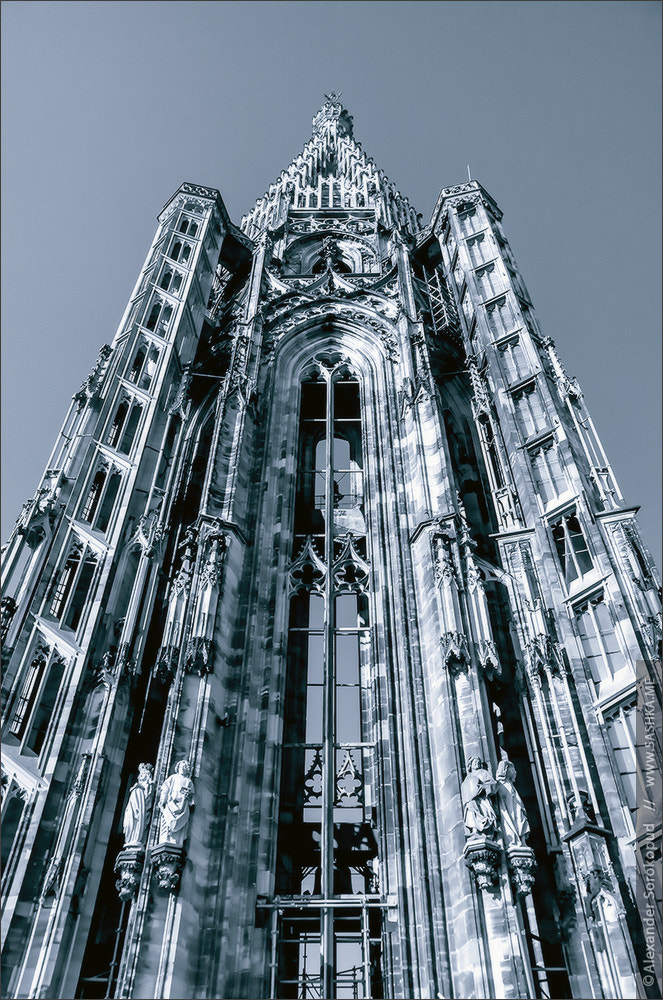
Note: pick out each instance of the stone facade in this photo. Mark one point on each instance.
(327, 628)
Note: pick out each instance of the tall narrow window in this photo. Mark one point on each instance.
(65, 583)
(143, 366)
(326, 847)
(118, 423)
(80, 594)
(572, 549)
(478, 249)
(44, 707)
(514, 360)
(137, 364)
(529, 410)
(599, 641)
(26, 700)
(129, 429)
(549, 474)
(152, 319)
(108, 502)
(500, 316)
(620, 726)
(94, 495)
(468, 220)
(100, 499)
(489, 281)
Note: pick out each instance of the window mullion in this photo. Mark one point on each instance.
(329, 756)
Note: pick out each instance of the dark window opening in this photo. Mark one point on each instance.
(108, 503)
(64, 585)
(44, 710)
(83, 583)
(572, 549)
(129, 430)
(93, 497)
(118, 423)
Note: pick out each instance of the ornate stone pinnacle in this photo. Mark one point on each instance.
(333, 113)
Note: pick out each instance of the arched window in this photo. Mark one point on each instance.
(137, 364)
(93, 496)
(118, 423)
(184, 225)
(175, 251)
(129, 429)
(108, 502)
(154, 316)
(166, 280)
(326, 847)
(65, 583)
(81, 590)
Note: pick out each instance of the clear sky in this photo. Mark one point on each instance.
(108, 107)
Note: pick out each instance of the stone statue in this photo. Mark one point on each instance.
(478, 813)
(512, 809)
(175, 801)
(137, 810)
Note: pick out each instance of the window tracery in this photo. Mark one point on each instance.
(326, 847)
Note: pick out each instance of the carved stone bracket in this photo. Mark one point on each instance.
(482, 857)
(167, 866)
(128, 868)
(522, 867)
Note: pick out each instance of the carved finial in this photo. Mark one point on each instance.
(332, 112)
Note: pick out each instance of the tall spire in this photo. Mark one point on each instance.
(332, 116)
(331, 171)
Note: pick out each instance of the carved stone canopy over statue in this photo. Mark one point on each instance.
(512, 810)
(175, 801)
(138, 807)
(478, 812)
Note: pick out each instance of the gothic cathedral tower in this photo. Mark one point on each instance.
(327, 630)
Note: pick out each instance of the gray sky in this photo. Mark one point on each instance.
(108, 107)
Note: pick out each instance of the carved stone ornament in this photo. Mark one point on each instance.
(167, 866)
(522, 867)
(176, 798)
(350, 572)
(7, 612)
(138, 808)
(482, 857)
(489, 661)
(455, 652)
(198, 658)
(165, 666)
(476, 791)
(307, 571)
(543, 654)
(129, 868)
(93, 381)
